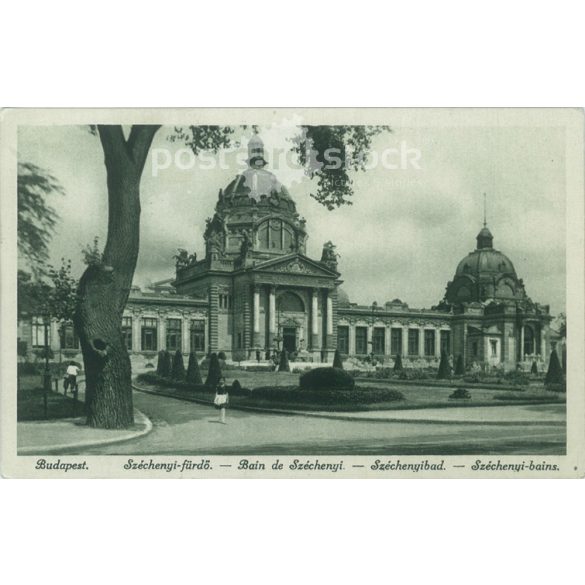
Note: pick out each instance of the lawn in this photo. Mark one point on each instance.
(30, 402)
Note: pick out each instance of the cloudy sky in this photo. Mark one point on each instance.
(403, 236)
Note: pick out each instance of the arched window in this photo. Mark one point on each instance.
(290, 302)
(275, 234)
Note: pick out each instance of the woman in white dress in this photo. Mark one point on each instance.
(221, 400)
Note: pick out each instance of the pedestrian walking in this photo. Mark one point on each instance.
(222, 399)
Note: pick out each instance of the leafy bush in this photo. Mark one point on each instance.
(326, 378)
(460, 394)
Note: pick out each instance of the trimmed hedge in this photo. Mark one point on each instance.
(327, 397)
(326, 379)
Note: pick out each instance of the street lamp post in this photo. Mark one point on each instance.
(47, 372)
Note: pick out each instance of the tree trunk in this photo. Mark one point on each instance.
(105, 285)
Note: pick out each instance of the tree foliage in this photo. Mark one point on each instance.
(554, 374)
(214, 372)
(444, 367)
(337, 361)
(193, 371)
(328, 154)
(178, 372)
(36, 218)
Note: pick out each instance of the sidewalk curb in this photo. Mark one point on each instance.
(358, 418)
(139, 418)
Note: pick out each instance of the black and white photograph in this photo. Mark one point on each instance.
(343, 293)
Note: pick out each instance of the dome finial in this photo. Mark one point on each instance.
(256, 152)
(484, 211)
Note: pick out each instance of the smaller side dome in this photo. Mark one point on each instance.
(342, 298)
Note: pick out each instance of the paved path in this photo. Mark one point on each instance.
(186, 428)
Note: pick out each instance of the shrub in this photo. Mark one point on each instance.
(534, 368)
(221, 356)
(165, 364)
(337, 362)
(178, 371)
(517, 378)
(554, 374)
(238, 390)
(159, 361)
(43, 352)
(459, 366)
(472, 378)
(28, 369)
(326, 378)
(398, 363)
(214, 372)
(283, 365)
(193, 372)
(556, 387)
(444, 367)
(460, 394)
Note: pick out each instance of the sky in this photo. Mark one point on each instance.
(404, 235)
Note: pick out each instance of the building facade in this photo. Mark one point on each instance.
(255, 291)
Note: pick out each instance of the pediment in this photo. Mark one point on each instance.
(296, 264)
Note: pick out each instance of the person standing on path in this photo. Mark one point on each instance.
(221, 400)
(72, 373)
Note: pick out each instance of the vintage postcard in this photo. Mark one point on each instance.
(292, 293)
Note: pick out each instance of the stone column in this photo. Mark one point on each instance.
(369, 339)
(437, 342)
(404, 340)
(388, 339)
(256, 318)
(162, 342)
(315, 319)
(329, 329)
(521, 343)
(54, 337)
(136, 333)
(543, 343)
(271, 316)
(351, 340)
(421, 341)
(186, 333)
